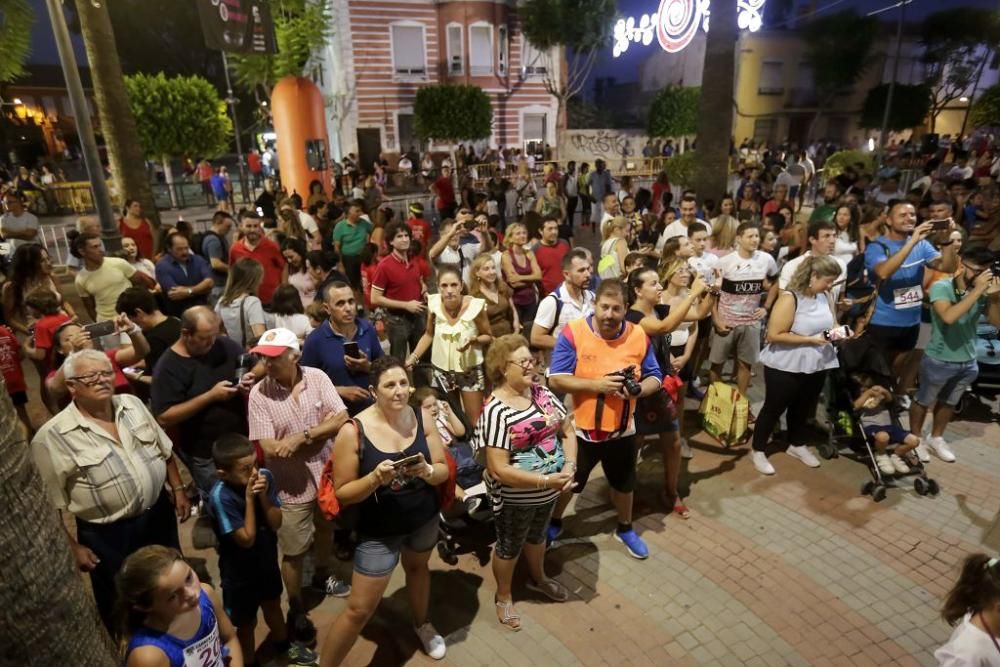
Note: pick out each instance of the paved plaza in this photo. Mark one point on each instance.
(795, 569)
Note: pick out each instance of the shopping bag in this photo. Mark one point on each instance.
(725, 413)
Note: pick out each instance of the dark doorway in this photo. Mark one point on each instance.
(798, 129)
(369, 148)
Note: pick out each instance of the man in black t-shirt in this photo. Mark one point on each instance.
(161, 331)
(195, 391)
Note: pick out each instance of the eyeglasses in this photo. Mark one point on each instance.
(525, 364)
(91, 379)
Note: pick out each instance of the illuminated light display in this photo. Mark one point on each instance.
(676, 22)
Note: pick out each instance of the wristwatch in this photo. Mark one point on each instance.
(308, 438)
(190, 291)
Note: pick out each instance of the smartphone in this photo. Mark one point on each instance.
(940, 225)
(132, 370)
(352, 350)
(100, 329)
(407, 461)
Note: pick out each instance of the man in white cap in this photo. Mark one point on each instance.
(294, 414)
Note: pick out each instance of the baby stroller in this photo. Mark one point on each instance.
(846, 432)
(467, 527)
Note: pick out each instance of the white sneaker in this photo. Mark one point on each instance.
(433, 642)
(761, 463)
(901, 466)
(904, 401)
(941, 449)
(802, 453)
(884, 463)
(923, 453)
(686, 449)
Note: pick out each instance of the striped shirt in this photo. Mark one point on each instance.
(530, 437)
(274, 414)
(93, 476)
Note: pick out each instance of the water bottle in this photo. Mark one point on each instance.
(244, 364)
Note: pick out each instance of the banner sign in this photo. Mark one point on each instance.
(238, 26)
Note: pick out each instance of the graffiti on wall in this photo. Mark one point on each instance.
(609, 145)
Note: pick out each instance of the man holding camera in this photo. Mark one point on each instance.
(607, 364)
(948, 367)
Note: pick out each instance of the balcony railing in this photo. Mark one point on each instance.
(802, 97)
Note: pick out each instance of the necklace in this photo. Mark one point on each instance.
(993, 637)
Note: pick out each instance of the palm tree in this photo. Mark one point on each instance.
(49, 617)
(117, 122)
(715, 111)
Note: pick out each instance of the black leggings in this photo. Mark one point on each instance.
(792, 393)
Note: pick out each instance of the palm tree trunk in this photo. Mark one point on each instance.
(715, 109)
(117, 122)
(49, 617)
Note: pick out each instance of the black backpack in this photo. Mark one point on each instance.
(198, 244)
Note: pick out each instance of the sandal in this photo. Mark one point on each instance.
(507, 616)
(551, 589)
(681, 510)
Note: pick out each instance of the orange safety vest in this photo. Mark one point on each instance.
(597, 357)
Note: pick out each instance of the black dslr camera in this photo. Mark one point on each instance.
(629, 383)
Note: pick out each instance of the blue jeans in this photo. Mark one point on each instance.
(378, 556)
(945, 381)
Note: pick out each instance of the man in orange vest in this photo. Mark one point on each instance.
(606, 363)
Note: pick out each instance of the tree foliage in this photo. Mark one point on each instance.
(839, 50)
(954, 41)
(681, 169)
(576, 29)
(910, 106)
(674, 112)
(452, 113)
(300, 28)
(16, 19)
(178, 116)
(986, 109)
(837, 162)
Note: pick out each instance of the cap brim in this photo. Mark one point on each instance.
(269, 350)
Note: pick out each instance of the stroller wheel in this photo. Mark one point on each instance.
(921, 486)
(933, 487)
(867, 488)
(827, 450)
(878, 493)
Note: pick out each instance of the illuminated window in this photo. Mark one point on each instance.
(533, 62)
(408, 56)
(480, 49)
(456, 58)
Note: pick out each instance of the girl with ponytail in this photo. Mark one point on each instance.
(973, 607)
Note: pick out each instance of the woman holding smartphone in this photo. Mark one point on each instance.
(398, 507)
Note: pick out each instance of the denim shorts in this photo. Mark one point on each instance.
(378, 556)
(945, 381)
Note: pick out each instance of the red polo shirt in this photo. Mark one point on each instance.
(398, 281)
(268, 254)
(550, 262)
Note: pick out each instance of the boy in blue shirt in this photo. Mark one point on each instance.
(246, 515)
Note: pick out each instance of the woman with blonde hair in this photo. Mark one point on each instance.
(484, 284)
(796, 358)
(724, 225)
(239, 307)
(675, 248)
(521, 271)
(614, 249)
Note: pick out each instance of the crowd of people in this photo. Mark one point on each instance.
(239, 373)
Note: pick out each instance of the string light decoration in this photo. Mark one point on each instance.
(676, 22)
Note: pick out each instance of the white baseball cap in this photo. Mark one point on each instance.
(275, 341)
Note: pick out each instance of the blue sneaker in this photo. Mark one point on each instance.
(552, 534)
(636, 547)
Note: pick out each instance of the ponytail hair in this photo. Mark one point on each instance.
(977, 587)
(821, 266)
(136, 582)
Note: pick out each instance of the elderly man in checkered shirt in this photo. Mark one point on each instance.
(294, 414)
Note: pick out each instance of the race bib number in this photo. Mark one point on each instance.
(206, 652)
(907, 297)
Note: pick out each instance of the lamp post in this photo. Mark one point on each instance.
(85, 129)
(892, 83)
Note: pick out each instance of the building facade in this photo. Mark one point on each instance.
(383, 51)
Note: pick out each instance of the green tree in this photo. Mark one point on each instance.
(176, 117)
(957, 43)
(986, 108)
(117, 122)
(301, 27)
(839, 51)
(451, 114)
(674, 112)
(715, 107)
(16, 19)
(910, 106)
(567, 35)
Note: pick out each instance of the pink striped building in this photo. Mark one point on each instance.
(382, 51)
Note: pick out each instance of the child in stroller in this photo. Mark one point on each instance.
(878, 412)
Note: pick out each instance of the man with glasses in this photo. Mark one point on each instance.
(106, 461)
(295, 412)
(948, 367)
(196, 391)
